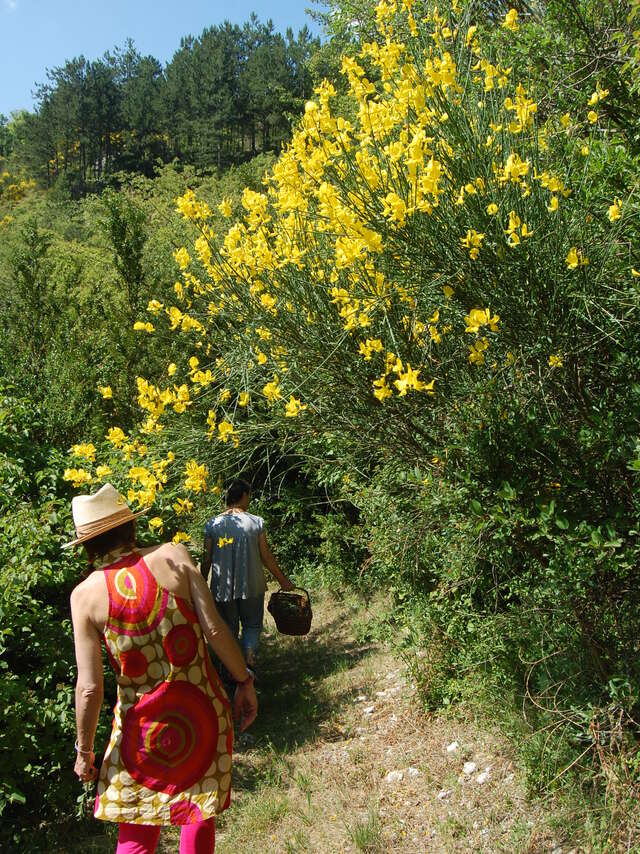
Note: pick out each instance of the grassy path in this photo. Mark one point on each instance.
(341, 759)
(337, 719)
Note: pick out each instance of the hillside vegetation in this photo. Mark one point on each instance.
(414, 328)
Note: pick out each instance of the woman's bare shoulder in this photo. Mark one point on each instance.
(174, 553)
(88, 589)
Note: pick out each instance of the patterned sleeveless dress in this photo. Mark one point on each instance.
(168, 760)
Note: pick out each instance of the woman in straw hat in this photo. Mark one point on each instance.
(168, 760)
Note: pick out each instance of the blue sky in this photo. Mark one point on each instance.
(40, 34)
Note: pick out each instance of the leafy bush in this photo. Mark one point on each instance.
(38, 789)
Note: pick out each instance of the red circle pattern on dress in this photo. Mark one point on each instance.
(136, 603)
(181, 645)
(133, 663)
(170, 737)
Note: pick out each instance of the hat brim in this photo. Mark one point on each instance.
(109, 526)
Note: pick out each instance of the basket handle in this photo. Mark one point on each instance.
(306, 592)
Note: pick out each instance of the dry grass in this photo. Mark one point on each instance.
(336, 717)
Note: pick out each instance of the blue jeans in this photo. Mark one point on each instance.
(249, 614)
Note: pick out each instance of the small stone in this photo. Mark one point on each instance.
(381, 693)
(451, 748)
(468, 768)
(360, 698)
(369, 710)
(484, 776)
(394, 777)
(413, 772)
(443, 794)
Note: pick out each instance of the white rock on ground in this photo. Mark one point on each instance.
(394, 777)
(413, 772)
(451, 748)
(484, 776)
(468, 768)
(443, 793)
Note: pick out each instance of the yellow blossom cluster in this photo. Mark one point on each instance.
(226, 433)
(141, 326)
(472, 241)
(615, 210)
(479, 317)
(192, 208)
(575, 258)
(294, 407)
(524, 109)
(407, 379)
(148, 483)
(196, 476)
(77, 477)
(516, 229)
(369, 347)
(86, 451)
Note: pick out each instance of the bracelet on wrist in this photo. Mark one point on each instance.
(79, 749)
(250, 677)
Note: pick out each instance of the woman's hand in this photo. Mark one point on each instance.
(245, 704)
(85, 767)
(287, 584)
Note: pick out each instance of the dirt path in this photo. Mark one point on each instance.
(342, 760)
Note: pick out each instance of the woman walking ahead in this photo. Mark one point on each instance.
(236, 549)
(168, 760)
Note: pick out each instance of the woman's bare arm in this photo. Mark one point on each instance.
(89, 684)
(268, 559)
(225, 647)
(214, 627)
(207, 555)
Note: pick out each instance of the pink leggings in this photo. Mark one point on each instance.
(199, 838)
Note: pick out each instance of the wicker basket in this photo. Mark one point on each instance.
(291, 609)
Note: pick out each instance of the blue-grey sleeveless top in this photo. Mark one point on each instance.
(236, 567)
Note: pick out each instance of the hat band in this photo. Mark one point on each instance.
(96, 527)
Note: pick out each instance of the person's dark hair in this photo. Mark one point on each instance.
(123, 535)
(236, 489)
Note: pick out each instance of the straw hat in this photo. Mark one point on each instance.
(100, 512)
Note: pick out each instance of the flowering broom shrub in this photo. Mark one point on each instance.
(437, 288)
(407, 261)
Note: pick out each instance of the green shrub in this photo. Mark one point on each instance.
(38, 789)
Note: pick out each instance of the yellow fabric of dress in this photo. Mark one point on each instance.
(168, 760)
